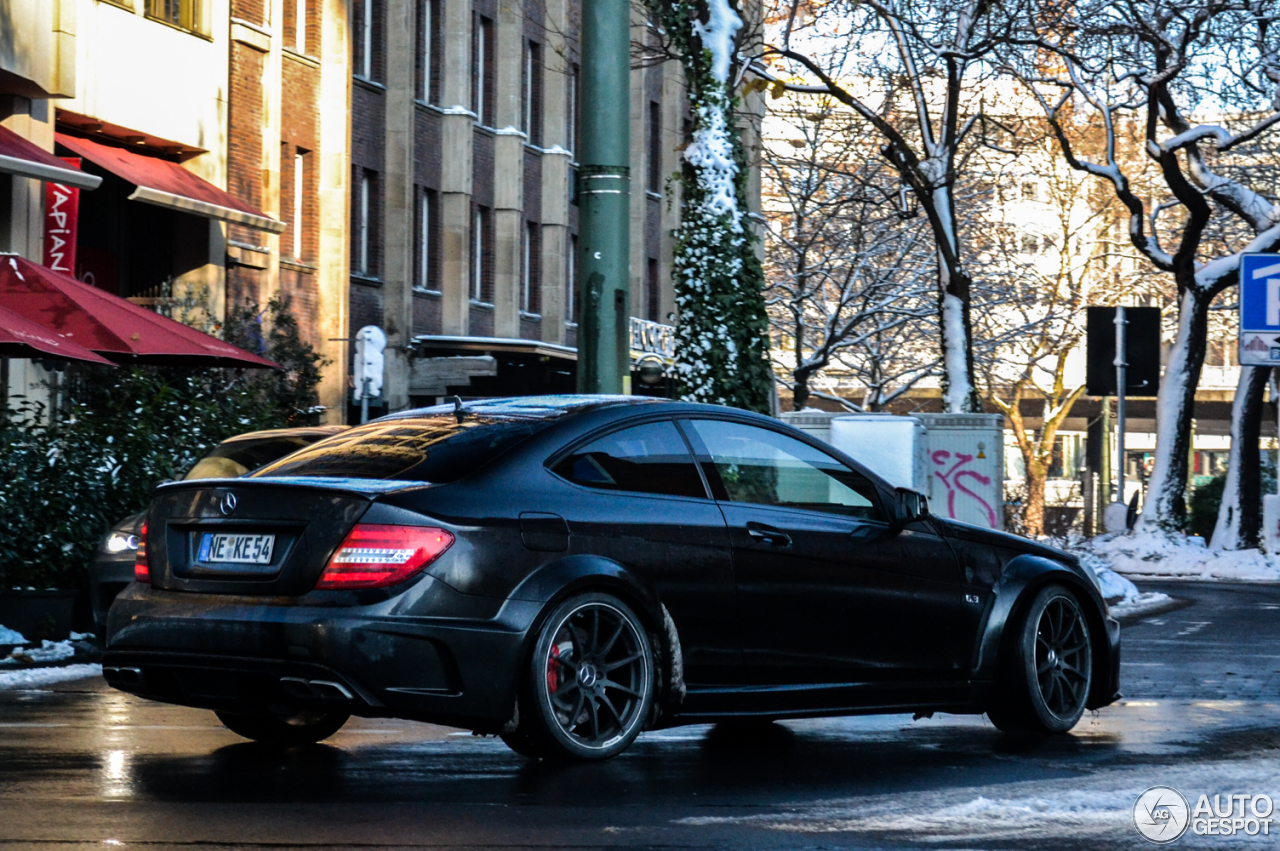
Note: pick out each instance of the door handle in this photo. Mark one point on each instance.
(768, 535)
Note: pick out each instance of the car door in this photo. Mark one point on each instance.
(643, 503)
(828, 590)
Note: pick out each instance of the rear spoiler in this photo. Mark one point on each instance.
(358, 487)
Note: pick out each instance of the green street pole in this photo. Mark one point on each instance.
(604, 198)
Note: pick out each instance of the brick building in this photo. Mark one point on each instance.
(401, 163)
(287, 115)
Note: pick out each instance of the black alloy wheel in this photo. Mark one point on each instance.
(303, 728)
(590, 684)
(1046, 679)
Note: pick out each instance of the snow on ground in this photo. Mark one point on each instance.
(1016, 811)
(9, 636)
(1156, 555)
(32, 677)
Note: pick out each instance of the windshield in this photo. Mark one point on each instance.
(239, 457)
(435, 449)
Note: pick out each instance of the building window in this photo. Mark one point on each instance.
(531, 283)
(571, 282)
(571, 113)
(653, 299)
(299, 201)
(295, 24)
(365, 38)
(655, 146)
(428, 62)
(181, 13)
(482, 95)
(424, 266)
(533, 91)
(364, 251)
(481, 254)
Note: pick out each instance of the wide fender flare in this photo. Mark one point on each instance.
(562, 578)
(1022, 577)
(556, 580)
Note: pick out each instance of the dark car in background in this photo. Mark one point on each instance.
(566, 572)
(111, 566)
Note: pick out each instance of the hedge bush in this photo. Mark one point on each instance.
(66, 479)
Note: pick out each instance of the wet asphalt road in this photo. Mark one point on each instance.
(82, 766)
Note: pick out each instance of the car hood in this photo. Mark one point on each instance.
(1005, 540)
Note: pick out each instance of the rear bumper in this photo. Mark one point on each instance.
(253, 655)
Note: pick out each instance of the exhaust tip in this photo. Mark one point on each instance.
(123, 676)
(327, 688)
(316, 689)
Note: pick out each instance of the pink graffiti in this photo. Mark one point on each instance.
(952, 478)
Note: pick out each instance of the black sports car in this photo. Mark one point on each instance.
(566, 572)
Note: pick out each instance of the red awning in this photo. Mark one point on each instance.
(167, 184)
(108, 324)
(22, 338)
(19, 156)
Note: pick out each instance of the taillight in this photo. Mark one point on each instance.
(375, 555)
(141, 568)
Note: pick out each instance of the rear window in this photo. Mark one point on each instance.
(238, 457)
(435, 449)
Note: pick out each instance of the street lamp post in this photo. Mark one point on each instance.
(604, 197)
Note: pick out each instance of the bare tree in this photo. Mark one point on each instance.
(908, 68)
(1046, 248)
(849, 276)
(1172, 68)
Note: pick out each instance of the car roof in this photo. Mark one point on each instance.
(314, 432)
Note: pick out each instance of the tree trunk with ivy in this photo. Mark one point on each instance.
(721, 335)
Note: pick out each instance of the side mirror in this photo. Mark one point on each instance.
(912, 506)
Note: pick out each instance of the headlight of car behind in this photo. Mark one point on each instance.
(120, 542)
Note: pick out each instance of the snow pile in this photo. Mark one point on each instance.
(46, 654)
(32, 677)
(48, 651)
(1122, 596)
(1157, 554)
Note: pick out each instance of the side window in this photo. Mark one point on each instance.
(766, 468)
(649, 458)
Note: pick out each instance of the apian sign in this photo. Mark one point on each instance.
(61, 217)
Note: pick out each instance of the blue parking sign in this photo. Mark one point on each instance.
(1260, 310)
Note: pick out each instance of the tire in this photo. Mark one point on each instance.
(304, 728)
(1047, 671)
(589, 684)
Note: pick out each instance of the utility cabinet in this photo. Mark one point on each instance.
(966, 467)
(957, 460)
(892, 447)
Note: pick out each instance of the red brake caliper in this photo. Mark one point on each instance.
(553, 670)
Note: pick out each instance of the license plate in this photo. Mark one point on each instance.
(221, 548)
